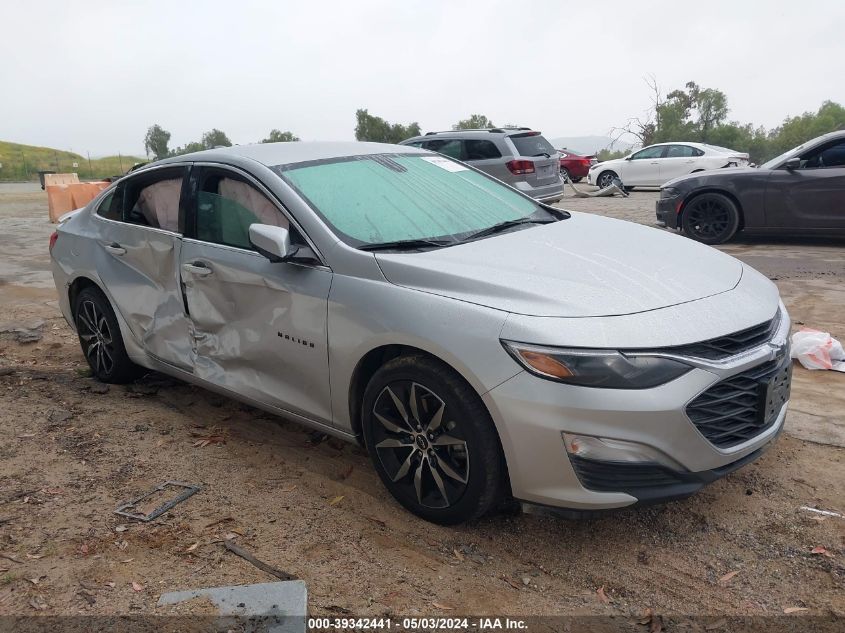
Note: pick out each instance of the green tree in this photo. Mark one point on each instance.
(188, 148)
(474, 122)
(215, 138)
(155, 142)
(277, 136)
(373, 128)
(690, 114)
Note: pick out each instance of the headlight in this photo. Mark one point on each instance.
(668, 192)
(606, 369)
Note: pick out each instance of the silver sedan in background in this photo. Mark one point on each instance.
(482, 346)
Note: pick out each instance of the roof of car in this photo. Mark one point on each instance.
(482, 133)
(272, 154)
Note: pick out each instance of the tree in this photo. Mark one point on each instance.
(277, 136)
(155, 142)
(215, 138)
(700, 115)
(373, 128)
(474, 122)
(188, 148)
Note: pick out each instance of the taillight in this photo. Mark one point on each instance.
(53, 239)
(520, 166)
(585, 162)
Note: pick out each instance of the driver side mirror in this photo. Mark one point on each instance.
(793, 163)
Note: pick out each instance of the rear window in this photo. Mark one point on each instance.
(532, 145)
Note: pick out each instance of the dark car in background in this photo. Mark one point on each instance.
(800, 191)
(518, 156)
(575, 165)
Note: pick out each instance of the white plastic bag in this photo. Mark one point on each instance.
(818, 350)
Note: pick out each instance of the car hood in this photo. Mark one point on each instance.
(713, 174)
(585, 266)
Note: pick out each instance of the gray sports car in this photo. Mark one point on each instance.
(481, 345)
(800, 192)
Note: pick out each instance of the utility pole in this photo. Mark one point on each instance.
(56, 155)
(120, 160)
(90, 169)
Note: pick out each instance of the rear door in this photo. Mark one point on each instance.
(259, 328)
(643, 168)
(140, 228)
(678, 161)
(484, 155)
(811, 197)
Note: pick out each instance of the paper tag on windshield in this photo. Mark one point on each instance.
(444, 163)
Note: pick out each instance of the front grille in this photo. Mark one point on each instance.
(743, 406)
(620, 476)
(725, 346)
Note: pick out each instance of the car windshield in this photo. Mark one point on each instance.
(387, 198)
(779, 159)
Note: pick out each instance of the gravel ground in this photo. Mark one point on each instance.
(73, 449)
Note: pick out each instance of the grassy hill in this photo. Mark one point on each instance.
(22, 162)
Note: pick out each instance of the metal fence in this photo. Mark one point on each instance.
(17, 165)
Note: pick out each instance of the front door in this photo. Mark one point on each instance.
(139, 251)
(259, 328)
(642, 169)
(812, 196)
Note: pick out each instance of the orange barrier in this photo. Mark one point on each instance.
(67, 197)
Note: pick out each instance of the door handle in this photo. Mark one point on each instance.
(197, 268)
(115, 249)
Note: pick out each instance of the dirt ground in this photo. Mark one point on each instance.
(72, 449)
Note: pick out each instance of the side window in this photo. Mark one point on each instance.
(697, 152)
(481, 150)
(830, 155)
(450, 148)
(649, 152)
(111, 206)
(152, 199)
(681, 151)
(227, 205)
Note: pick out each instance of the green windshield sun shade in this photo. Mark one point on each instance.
(388, 197)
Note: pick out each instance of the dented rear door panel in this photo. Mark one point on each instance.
(139, 267)
(259, 328)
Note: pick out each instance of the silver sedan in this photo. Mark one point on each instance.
(481, 345)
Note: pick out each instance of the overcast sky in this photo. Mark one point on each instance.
(93, 75)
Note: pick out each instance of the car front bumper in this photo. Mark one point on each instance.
(666, 210)
(531, 415)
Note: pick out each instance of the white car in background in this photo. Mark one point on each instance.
(656, 164)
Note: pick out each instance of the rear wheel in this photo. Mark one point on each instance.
(711, 218)
(565, 175)
(431, 441)
(605, 179)
(99, 336)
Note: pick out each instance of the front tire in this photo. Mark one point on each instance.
(605, 179)
(711, 218)
(99, 336)
(432, 441)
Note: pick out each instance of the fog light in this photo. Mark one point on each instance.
(609, 450)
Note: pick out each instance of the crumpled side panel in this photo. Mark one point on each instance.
(260, 328)
(144, 285)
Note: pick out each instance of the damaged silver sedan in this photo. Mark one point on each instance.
(481, 345)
